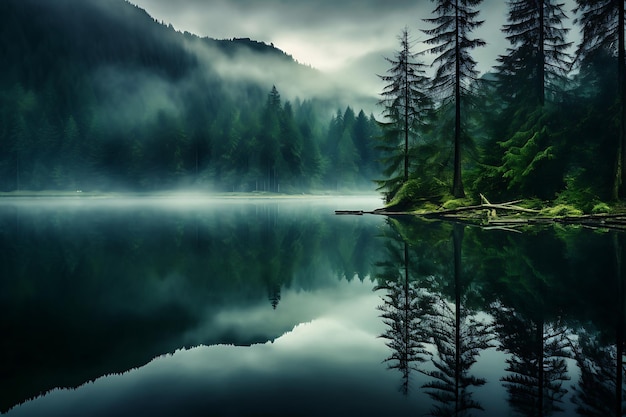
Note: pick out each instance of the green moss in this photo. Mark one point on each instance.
(582, 198)
(456, 203)
(533, 203)
(561, 210)
(601, 208)
(414, 194)
(425, 208)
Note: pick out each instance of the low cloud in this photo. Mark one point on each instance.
(134, 97)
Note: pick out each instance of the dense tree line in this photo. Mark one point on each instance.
(103, 97)
(546, 122)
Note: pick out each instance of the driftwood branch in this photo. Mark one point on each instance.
(505, 206)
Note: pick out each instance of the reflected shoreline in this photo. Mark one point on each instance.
(397, 310)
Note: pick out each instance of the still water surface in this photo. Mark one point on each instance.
(263, 307)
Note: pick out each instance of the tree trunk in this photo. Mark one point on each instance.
(619, 333)
(620, 176)
(541, 378)
(457, 238)
(406, 112)
(542, 57)
(457, 181)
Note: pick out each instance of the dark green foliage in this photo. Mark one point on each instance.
(347, 150)
(417, 191)
(531, 129)
(603, 34)
(526, 155)
(599, 23)
(527, 136)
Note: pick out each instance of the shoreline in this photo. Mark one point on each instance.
(183, 194)
(486, 216)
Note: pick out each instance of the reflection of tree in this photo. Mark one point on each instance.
(537, 366)
(459, 337)
(600, 391)
(354, 248)
(529, 327)
(405, 308)
(458, 340)
(273, 294)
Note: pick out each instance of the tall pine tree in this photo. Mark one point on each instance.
(602, 24)
(406, 106)
(537, 59)
(455, 66)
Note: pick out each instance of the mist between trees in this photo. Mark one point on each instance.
(105, 98)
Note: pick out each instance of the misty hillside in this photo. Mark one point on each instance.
(98, 95)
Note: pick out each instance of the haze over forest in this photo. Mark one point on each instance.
(98, 95)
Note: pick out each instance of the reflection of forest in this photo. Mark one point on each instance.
(107, 289)
(552, 300)
(431, 296)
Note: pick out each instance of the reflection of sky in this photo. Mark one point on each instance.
(325, 358)
(332, 364)
(328, 299)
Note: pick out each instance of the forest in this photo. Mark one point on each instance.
(546, 123)
(106, 98)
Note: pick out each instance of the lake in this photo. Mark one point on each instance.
(195, 306)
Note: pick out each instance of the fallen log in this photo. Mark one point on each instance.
(349, 212)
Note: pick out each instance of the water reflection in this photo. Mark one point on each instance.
(434, 310)
(406, 306)
(551, 300)
(187, 310)
(97, 288)
(599, 352)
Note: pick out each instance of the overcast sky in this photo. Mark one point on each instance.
(326, 34)
(335, 36)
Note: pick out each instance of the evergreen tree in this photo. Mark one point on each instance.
(602, 24)
(455, 66)
(97, 112)
(291, 145)
(269, 137)
(406, 106)
(537, 57)
(535, 64)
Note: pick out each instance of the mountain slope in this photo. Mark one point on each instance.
(98, 95)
